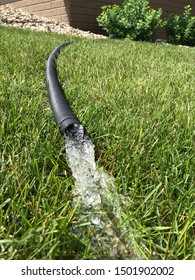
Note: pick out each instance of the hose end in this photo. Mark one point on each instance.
(66, 123)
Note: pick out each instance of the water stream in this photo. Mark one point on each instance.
(98, 195)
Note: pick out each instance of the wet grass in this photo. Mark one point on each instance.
(137, 101)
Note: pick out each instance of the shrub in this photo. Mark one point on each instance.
(134, 20)
(181, 29)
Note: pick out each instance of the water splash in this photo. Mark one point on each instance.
(99, 196)
(90, 181)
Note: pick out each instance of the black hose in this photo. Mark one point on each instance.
(63, 114)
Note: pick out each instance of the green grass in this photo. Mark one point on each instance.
(137, 101)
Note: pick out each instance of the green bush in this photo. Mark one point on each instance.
(134, 20)
(181, 29)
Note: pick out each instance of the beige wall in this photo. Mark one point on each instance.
(47, 8)
(78, 13)
(82, 13)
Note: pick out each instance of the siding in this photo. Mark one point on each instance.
(82, 13)
(54, 9)
(172, 6)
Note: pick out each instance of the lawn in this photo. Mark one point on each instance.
(137, 102)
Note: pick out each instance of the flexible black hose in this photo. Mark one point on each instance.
(63, 114)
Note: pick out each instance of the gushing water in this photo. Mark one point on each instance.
(97, 191)
(90, 181)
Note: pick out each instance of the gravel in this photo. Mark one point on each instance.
(21, 19)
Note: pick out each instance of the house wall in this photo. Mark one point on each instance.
(82, 13)
(172, 6)
(54, 9)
